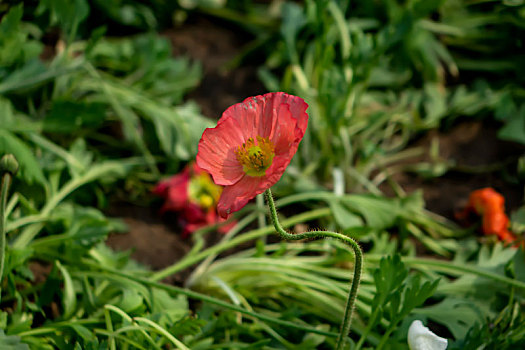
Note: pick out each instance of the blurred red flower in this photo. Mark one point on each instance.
(193, 196)
(490, 205)
(251, 146)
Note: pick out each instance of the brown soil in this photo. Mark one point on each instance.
(478, 159)
(215, 46)
(153, 242)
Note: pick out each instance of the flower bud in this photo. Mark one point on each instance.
(8, 164)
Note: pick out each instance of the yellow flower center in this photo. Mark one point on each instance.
(255, 156)
(203, 191)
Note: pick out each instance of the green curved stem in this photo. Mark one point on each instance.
(358, 265)
(6, 181)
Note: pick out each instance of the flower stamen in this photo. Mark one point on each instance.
(256, 155)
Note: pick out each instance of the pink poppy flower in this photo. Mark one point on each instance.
(251, 146)
(193, 196)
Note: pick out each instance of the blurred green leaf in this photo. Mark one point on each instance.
(66, 13)
(344, 218)
(506, 331)
(15, 45)
(11, 342)
(69, 299)
(68, 116)
(128, 13)
(458, 315)
(379, 212)
(514, 128)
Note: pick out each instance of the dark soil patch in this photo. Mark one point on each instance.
(40, 271)
(480, 160)
(215, 45)
(153, 241)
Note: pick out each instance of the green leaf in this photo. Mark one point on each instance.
(388, 278)
(423, 8)
(379, 212)
(517, 219)
(66, 13)
(69, 297)
(458, 315)
(11, 342)
(68, 116)
(506, 109)
(11, 21)
(131, 300)
(34, 74)
(416, 294)
(293, 20)
(129, 13)
(345, 218)
(514, 128)
(435, 104)
(479, 288)
(504, 331)
(15, 46)
(86, 334)
(173, 308)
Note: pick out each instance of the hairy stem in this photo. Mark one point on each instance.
(358, 264)
(6, 180)
(8, 167)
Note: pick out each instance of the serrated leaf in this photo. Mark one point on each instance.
(388, 278)
(416, 294)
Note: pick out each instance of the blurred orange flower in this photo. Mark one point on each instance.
(490, 205)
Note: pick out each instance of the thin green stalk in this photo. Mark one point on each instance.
(385, 338)
(371, 323)
(6, 182)
(358, 264)
(8, 169)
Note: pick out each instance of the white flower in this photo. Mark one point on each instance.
(421, 338)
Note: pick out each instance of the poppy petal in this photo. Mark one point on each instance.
(236, 196)
(216, 153)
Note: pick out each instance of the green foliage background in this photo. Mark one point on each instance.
(106, 114)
